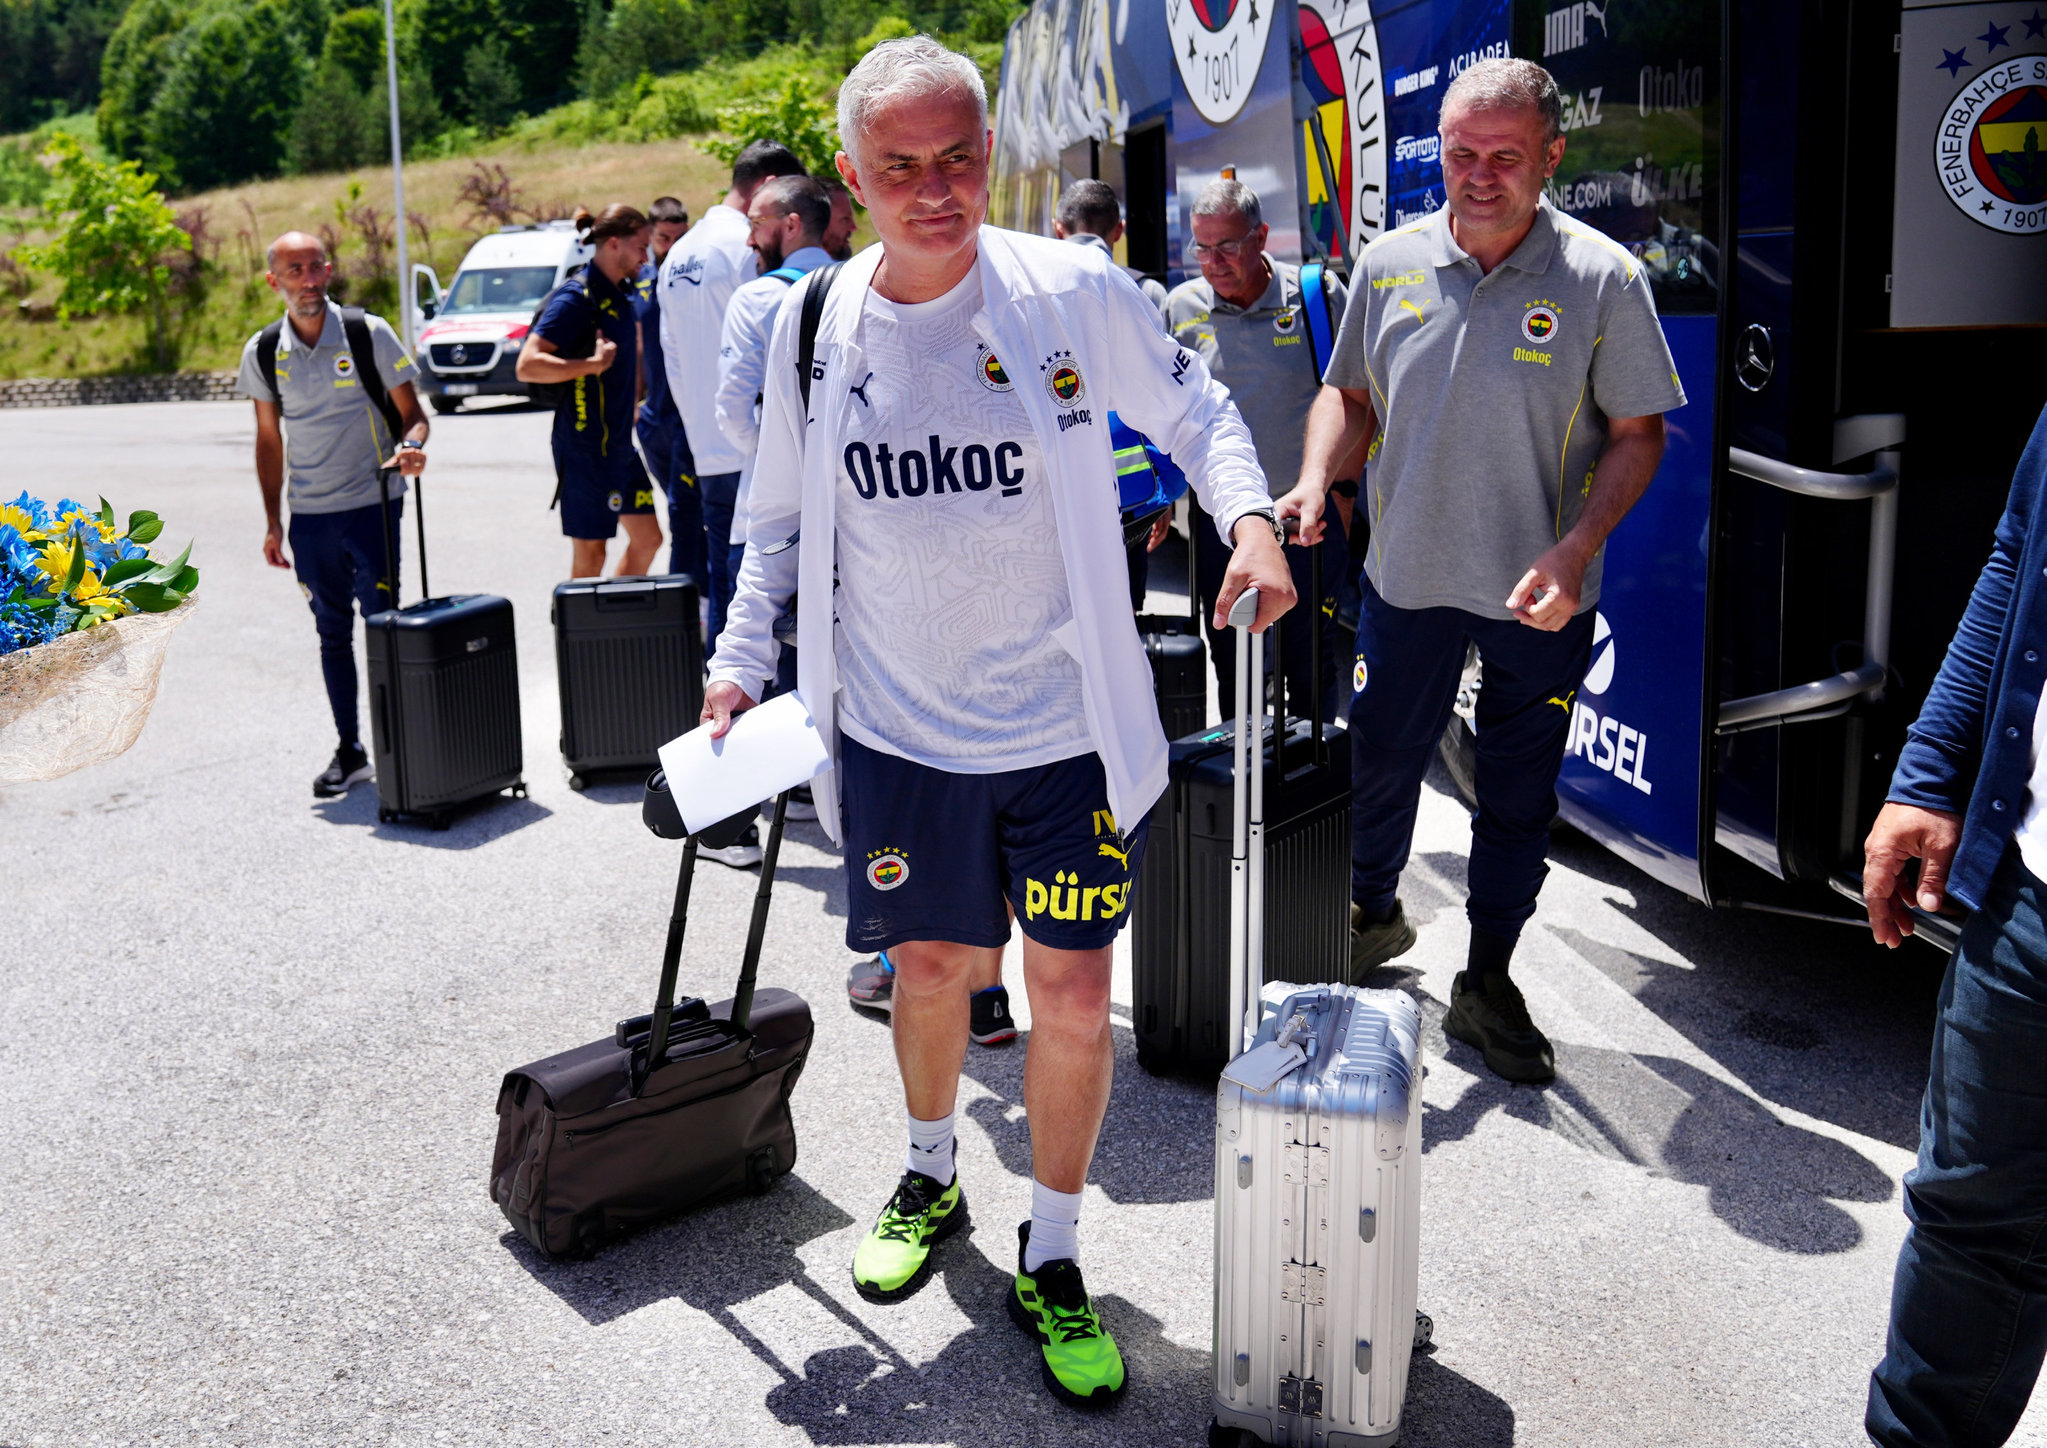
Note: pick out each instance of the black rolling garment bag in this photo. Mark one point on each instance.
(630, 663)
(673, 1108)
(1180, 928)
(444, 696)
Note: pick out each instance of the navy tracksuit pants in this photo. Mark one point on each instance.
(339, 558)
(1405, 678)
(674, 466)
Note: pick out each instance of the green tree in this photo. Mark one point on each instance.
(490, 86)
(109, 253)
(355, 42)
(224, 111)
(331, 129)
(443, 33)
(420, 117)
(540, 43)
(132, 71)
(801, 120)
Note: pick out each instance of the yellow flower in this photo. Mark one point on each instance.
(19, 520)
(91, 590)
(55, 561)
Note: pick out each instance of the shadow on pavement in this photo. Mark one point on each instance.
(471, 825)
(1155, 1145)
(1774, 1183)
(984, 1385)
(828, 882)
(1448, 1410)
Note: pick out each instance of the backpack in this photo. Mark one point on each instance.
(807, 368)
(551, 395)
(356, 328)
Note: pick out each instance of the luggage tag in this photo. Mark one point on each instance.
(1267, 1064)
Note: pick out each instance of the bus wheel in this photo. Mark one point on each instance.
(1459, 744)
(444, 404)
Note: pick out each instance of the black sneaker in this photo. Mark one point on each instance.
(991, 1023)
(871, 985)
(1489, 1013)
(350, 766)
(745, 851)
(801, 805)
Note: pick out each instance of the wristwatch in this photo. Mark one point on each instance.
(1271, 521)
(406, 444)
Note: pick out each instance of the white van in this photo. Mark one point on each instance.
(470, 333)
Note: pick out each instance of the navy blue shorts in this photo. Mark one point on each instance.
(932, 855)
(595, 490)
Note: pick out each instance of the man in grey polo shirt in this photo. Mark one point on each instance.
(1504, 366)
(1243, 315)
(322, 441)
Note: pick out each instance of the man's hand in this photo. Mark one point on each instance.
(1161, 526)
(721, 702)
(1256, 563)
(1308, 502)
(410, 461)
(273, 545)
(1902, 833)
(1559, 577)
(600, 359)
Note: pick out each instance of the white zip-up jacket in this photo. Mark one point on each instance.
(703, 270)
(743, 361)
(1041, 299)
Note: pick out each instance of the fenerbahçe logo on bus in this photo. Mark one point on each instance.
(1218, 46)
(887, 868)
(1991, 146)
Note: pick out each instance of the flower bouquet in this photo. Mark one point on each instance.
(85, 617)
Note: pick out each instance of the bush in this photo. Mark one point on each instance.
(801, 121)
(109, 254)
(331, 131)
(24, 179)
(132, 71)
(355, 42)
(669, 107)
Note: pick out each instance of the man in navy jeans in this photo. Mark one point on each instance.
(1969, 802)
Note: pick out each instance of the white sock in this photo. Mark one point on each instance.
(931, 1147)
(1055, 1226)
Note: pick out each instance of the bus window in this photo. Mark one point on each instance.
(1641, 93)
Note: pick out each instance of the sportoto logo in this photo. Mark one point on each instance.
(888, 870)
(1600, 675)
(1539, 323)
(1219, 46)
(1991, 145)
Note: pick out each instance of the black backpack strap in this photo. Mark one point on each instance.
(266, 356)
(355, 326)
(814, 296)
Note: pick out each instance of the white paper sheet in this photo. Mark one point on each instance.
(770, 748)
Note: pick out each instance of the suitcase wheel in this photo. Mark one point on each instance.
(519, 790)
(578, 783)
(1150, 1060)
(384, 816)
(440, 820)
(1221, 1437)
(761, 1171)
(1424, 1331)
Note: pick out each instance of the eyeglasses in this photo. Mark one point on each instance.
(1229, 250)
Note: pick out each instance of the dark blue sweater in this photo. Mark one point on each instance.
(1971, 750)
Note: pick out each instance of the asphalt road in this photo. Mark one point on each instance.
(252, 1046)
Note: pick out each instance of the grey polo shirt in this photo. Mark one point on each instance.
(1492, 394)
(1263, 355)
(334, 437)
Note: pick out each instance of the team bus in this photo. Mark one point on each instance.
(1843, 208)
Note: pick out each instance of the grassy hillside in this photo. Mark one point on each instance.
(234, 225)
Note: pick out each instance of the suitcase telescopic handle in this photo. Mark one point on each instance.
(671, 953)
(1247, 820)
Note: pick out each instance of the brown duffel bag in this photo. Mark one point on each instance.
(676, 1107)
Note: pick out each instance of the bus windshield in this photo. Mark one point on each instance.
(499, 289)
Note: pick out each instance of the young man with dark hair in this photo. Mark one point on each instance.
(1090, 215)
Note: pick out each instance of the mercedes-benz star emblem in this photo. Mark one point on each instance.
(458, 354)
(1755, 358)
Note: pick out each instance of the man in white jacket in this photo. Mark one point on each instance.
(978, 670)
(698, 279)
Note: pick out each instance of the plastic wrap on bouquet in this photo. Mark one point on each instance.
(82, 697)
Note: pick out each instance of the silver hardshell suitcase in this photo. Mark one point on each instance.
(1317, 1177)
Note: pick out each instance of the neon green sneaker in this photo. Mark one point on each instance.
(1081, 1364)
(892, 1260)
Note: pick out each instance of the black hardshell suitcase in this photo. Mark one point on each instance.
(1180, 928)
(444, 699)
(596, 1142)
(1179, 671)
(630, 662)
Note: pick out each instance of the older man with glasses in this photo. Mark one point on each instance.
(1243, 316)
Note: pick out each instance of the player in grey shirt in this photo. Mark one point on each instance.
(321, 442)
(1504, 366)
(1243, 315)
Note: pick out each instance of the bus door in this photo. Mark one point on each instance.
(1642, 89)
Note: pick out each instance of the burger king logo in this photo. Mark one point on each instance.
(886, 869)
